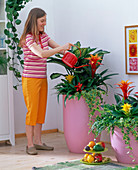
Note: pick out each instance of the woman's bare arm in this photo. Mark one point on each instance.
(47, 53)
(53, 44)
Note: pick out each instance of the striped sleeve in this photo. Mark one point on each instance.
(47, 38)
(29, 40)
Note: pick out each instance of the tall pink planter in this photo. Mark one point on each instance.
(119, 145)
(75, 121)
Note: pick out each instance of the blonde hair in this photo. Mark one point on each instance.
(31, 24)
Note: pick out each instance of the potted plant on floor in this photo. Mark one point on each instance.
(82, 88)
(121, 120)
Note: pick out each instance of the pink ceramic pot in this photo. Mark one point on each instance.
(75, 120)
(119, 145)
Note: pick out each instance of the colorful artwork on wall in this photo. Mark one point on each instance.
(131, 49)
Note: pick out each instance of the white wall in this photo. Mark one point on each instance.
(95, 23)
(99, 24)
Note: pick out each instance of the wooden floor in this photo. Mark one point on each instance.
(15, 157)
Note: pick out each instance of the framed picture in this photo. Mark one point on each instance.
(131, 49)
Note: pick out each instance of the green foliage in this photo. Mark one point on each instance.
(13, 7)
(114, 115)
(93, 99)
(82, 79)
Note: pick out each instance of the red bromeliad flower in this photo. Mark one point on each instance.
(78, 87)
(126, 89)
(94, 62)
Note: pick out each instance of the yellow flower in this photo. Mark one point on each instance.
(126, 108)
(69, 78)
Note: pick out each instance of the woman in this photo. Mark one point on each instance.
(35, 42)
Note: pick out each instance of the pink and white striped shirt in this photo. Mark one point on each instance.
(35, 66)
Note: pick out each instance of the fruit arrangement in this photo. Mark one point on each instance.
(95, 156)
(93, 146)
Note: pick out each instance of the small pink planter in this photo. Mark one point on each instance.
(119, 145)
(75, 120)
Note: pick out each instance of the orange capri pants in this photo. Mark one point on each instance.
(35, 96)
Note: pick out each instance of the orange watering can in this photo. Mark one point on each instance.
(70, 59)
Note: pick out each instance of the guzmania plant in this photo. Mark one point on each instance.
(83, 77)
(123, 114)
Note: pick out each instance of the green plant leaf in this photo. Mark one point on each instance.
(117, 98)
(6, 32)
(11, 47)
(22, 62)
(56, 75)
(58, 56)
(10, 35)
(11, 68)
(7, 41)
(15, 87)
(18, 21)
(18, 74)
(9, 25)
(20, 52)
(9, 16)
(15, 14)
(14, 30)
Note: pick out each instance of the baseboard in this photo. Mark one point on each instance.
(49, 131)
(43, 132)
(60, 131)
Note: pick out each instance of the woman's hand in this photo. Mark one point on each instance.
(65, 47)
(62, 49)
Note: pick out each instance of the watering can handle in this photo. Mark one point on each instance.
(77, 47)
